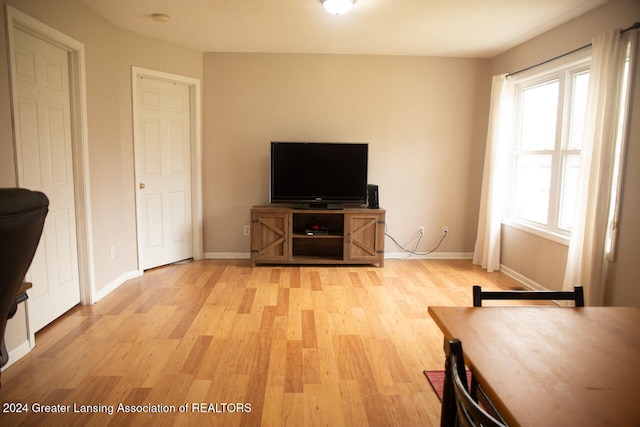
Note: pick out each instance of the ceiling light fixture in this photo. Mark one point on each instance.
(338, 7)
(160, 17)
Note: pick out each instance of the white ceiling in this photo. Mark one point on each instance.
(453, 28)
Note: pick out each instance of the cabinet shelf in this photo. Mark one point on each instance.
(317, 236)
(354, 236)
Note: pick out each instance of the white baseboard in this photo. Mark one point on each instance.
(17, 353)
(522, 279)
(434, 255)
(114, 285)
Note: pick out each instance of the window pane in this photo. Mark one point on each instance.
(578, 109)
(533, 177)
(539, 115)
(568, 192)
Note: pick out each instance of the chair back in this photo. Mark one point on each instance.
(469, 413)
(22, 215)
(577, 295)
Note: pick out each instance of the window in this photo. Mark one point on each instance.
(549, 122)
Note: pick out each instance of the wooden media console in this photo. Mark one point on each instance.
(290, 235)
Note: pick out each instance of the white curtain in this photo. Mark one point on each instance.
(487, 248)
(586, 264)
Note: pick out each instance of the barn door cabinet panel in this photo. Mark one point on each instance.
(365, 238)
(270, 236)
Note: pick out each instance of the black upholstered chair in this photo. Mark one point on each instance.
(577, 296)
(22, 215)
(468, 413)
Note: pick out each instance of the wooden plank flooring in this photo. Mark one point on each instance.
(271, 346)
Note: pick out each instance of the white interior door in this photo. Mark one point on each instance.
(163, 169)
(44, 163)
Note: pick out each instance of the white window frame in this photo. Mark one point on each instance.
(563, 70)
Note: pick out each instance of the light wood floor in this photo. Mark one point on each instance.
(312, 346)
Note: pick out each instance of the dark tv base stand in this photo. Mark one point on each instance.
(292, 235)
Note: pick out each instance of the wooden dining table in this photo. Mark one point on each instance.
(549, 365)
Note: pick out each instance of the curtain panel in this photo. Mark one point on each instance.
(494, 177)
(586, 259)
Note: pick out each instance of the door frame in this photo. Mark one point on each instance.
(79, 139)
(196, 152)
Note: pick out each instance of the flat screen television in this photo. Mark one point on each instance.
(319, 175)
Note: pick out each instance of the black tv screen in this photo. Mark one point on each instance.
(319, 174)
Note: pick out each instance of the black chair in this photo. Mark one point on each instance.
(577, 295)
(22, 215)
(469, 413)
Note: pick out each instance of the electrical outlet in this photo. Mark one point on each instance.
(421, 230)
(445, 230)
(247, 230)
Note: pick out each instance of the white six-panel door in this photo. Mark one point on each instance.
(44, 163)
(163, 171)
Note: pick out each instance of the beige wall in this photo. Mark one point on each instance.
(424, 120)
(543, 261)
(110, 54)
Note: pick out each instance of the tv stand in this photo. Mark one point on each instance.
(283, 234)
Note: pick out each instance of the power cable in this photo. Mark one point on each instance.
(414, 251)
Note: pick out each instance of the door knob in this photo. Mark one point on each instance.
(142, 185)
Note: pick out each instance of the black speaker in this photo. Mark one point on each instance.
(373, 200)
